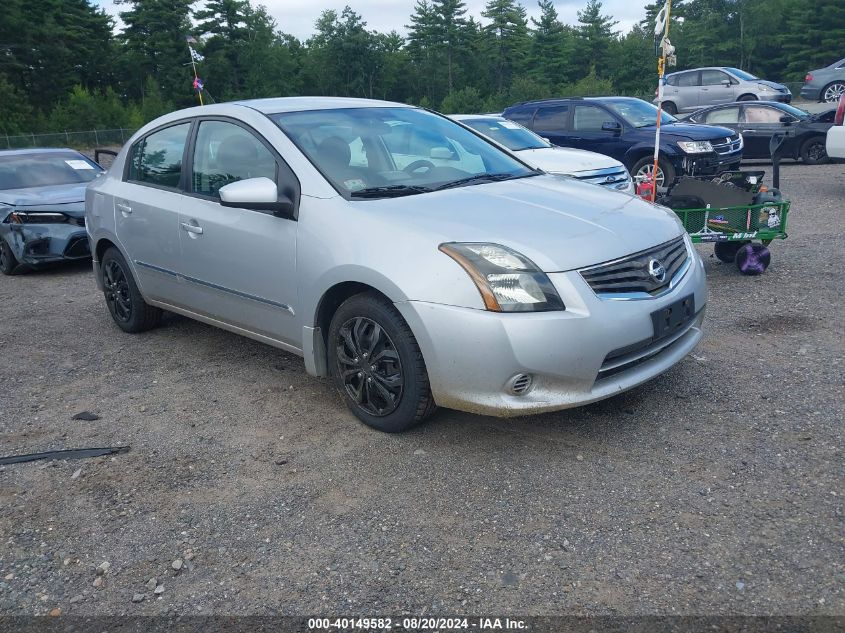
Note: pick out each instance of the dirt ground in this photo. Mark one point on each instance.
(716, 488)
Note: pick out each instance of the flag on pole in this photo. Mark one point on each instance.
(198, 84)
(195, 56)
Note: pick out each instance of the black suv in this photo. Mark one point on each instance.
(623, 127)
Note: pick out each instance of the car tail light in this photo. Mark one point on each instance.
(808, 78)
(839, 119)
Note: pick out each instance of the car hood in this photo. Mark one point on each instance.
(561, 160)
(770, 84)
(44, 196)
(692, 131)
(559, 223)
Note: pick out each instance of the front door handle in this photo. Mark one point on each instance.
(192, 228)
(125, 209)
(744, 131)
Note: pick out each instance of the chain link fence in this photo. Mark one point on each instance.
(76, 140)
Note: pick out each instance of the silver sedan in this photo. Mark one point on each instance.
(405, 256)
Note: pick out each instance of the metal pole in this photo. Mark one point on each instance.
(661, 70)
(96, 138)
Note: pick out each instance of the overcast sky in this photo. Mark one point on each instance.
(298, 16)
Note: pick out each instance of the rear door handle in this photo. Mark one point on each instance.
(125, 209)
(744, 131)
(192, 228)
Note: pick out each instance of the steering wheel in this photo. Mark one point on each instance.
(419, 164)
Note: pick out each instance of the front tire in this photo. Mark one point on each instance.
(125, 303)
(670, 108)
(377, 365)
(643, 168)
(813, 151)
(8, 262)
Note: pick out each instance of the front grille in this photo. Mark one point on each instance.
(727, 145)
(608, 177)
(631, 274)
(78, 247)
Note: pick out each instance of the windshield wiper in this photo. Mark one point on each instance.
(480, 178)
(392, 191)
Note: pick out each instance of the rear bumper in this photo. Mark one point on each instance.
(811, 93)
(835, 144)
(574, 357)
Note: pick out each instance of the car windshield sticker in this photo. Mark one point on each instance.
(353, 184)
(79, 164)
(509, 125)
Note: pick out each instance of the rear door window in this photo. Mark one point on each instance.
(762, 114)
(157, 158)
(552, 118)
(722, 115)
(689, 79)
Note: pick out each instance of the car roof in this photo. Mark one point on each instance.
(35, 150)
(553, 100)
(275, 105)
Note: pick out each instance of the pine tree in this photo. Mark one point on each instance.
(595, 37)
(552, 46)
(508, 39)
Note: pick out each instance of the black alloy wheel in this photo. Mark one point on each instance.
(369, 366)
(125, 303)
(814, 152)
(116, 289)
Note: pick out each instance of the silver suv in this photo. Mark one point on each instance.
(409, 258)
(689, 90)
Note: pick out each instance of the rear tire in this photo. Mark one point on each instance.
(813, 151)
(832, 92)
(726, 251)
(748, 98)
(123, 299)
(377, 365)
(8, 262)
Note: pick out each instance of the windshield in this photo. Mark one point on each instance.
(395, 151)
(742, 74)
(24, 171)
(511, 135)
(637, 113)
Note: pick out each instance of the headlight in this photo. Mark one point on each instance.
(507, 281)
(36, 217)
(765, 88)
(695, 147)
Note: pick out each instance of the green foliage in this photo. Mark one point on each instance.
(62, 66)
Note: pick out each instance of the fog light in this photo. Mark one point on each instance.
(520, 384)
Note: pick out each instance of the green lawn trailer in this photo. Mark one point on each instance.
(735, 212)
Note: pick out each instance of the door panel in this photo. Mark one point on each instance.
(239, 265)
(147, 211)
(760, 123)
(713, 89)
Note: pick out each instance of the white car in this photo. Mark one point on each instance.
(591, 167)
(836, 135)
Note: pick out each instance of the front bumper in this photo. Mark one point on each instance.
(708, 165)
(39, 244)
(780, 97)
(471, 355)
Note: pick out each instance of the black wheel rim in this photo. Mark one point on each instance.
(816, 151)
(369, 366)
(117, 291)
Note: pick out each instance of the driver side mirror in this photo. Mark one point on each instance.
(786, 119)
(611, 126)
(726, 82)
(256, 194)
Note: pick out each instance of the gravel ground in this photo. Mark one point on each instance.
(714, 489)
